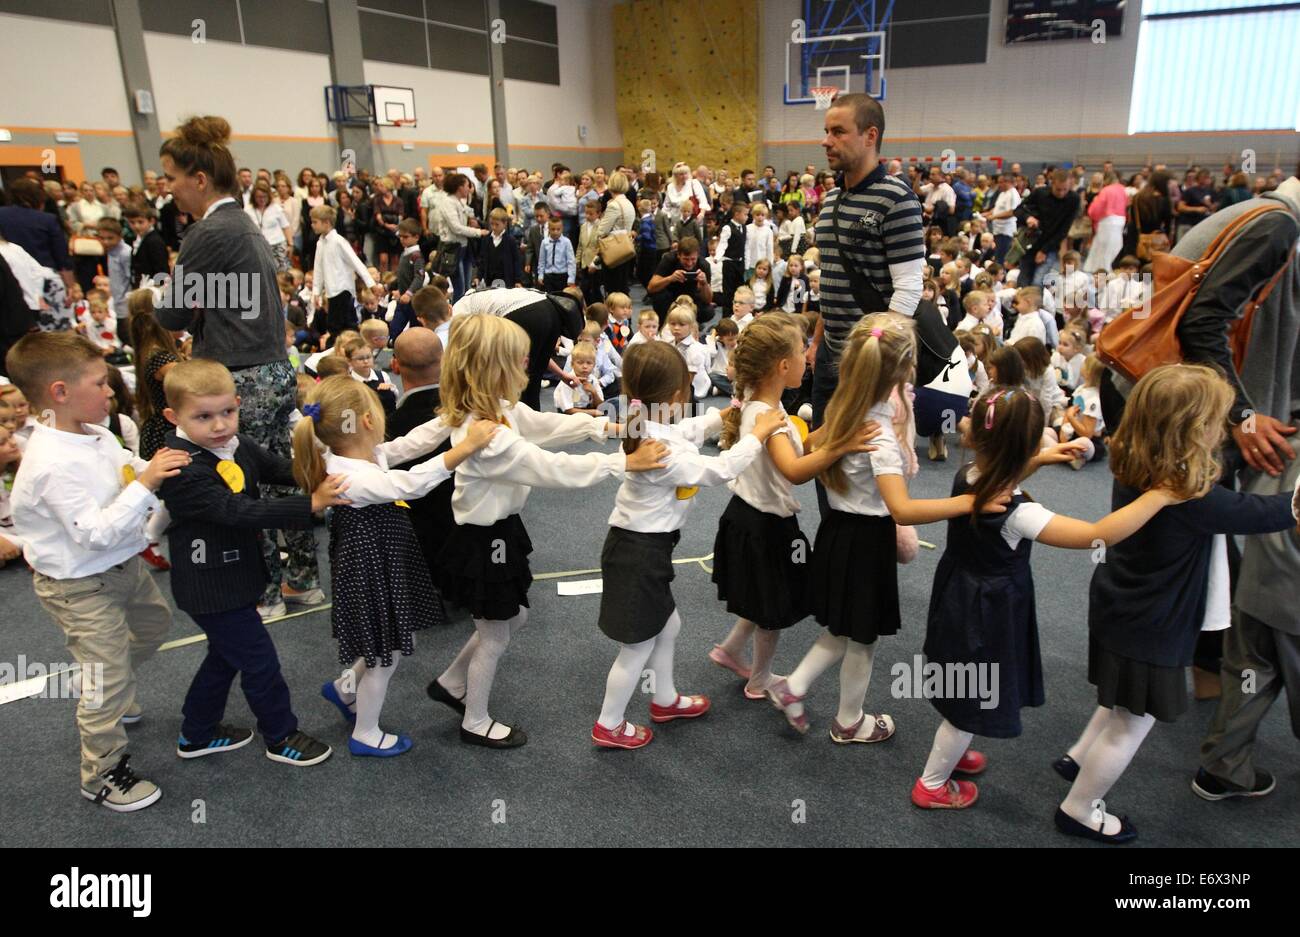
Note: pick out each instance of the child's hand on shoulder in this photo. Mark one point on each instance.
(859, 443)
(329, 493)
(768, 422)
(480, 433)
(995, 505)
(165, 463)
(650, 455)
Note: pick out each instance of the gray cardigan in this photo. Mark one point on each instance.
(224, 291)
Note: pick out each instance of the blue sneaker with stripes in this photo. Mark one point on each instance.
(299, 750)
(226, 739)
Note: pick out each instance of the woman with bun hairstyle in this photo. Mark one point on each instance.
(241, 327)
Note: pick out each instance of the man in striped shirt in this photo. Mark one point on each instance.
(870, 235)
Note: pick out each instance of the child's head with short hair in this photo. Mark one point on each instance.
(305, 385)
(9, 453)
(542, 212)
(483, 366)
(14, 395)
(656, 378)
(976, 304)
(592, 332)
(98, 302)
(201, 400)
(1174, 422)
(322, 219)
(728, 332)
(759, 212)
(375, 332)
(879, 357)
(742, 301)
(358, 354)
(431, 306)
(9, 416)
(340, 412)
(554, 228)
(620, 306)
(739, 210)
(681, 323)
(591, 209)
(1070, 260)
(647, 323)
(408, 232)
(1128, 264)
(499, 220)
(584, 359)
(597, 313)
(62, 372)
(1028, 299)
(772, 344)
(332, 366)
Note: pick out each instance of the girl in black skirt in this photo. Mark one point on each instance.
(982, 630)
(1155, 593)
(853, 577)
(484, 563)
(636, 565)
(760, 556)
(382, 590)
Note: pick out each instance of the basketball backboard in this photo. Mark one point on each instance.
(392, 105)
(837, 43)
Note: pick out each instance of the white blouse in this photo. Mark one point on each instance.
(762, 486)
(375, 483)
(658, 501)
(861, 468)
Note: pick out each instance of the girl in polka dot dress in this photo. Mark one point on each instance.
(382, 590)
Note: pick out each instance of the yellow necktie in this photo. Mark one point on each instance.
(685, 493)
(231, 474)
(128, 475)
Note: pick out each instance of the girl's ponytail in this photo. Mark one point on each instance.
(308, 463)
(634, 428)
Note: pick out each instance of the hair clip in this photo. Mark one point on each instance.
(311, 410)
(877, 332)
(634, 402)
(737, 402)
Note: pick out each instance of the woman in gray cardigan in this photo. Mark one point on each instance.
(224, 291)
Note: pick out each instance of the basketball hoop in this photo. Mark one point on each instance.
(403, 123)
(822, 97)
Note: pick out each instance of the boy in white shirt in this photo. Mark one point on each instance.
(82, 502)
(1028, 323)
(586, 397)
(335, 273)
(721, 344)
(98, 323)
(742, 307)
(647, 327)
(760, 239)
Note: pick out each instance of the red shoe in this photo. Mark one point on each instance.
(617, 738)
(955, 795)
(699, 705)
(155, 559)
(972, 762)
(779, 693)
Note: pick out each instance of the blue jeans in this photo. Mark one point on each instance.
(1032, 273)
(1001, 243)
(402, 317)
(238, 643)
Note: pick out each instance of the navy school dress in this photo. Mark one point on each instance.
(982, 612)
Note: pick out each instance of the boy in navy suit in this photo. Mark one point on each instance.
(217, 571)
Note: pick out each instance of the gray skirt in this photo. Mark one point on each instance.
(636, 573)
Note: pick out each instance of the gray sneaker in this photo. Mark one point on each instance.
(119, 789)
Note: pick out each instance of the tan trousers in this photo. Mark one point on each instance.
(112, 622)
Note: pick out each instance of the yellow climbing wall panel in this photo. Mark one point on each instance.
(686, 80)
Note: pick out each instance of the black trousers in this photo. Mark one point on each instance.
(542, 324)
(341, 314)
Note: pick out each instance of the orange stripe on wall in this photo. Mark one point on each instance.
(69, 157)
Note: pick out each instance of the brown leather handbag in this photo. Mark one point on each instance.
(1143, 338)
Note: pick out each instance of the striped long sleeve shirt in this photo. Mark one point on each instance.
(880, 235)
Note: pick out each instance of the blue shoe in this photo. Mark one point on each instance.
(331, 693)
(402, 746)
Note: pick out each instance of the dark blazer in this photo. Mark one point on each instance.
(503, 261)
(431, 515)
(149, 258)
(212, 540)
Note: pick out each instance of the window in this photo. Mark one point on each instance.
(1217, 65)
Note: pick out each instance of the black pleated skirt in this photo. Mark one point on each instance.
(636, 573)
(485, 569)
(1139, 687)
(760, 565)
(853, 577)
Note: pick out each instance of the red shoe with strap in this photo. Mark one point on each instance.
(972, 762)
(695, 706)
(955, 795)
(618, 737)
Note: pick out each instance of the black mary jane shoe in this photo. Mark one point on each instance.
(439, 694)
(513, 740)
(1066, 767)
(1072, 827)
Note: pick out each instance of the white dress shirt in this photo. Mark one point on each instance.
(271, 221)
(862, 468)
(499, 302)
(1006, 201)
(758, 244)
(697, 362)
(571, 398)
(658, 501)
(494, 483)
(78, 514)
(762, 486)
(337, 267)
(1028, 325)
(375, 483)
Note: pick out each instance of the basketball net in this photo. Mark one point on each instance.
(822, 97)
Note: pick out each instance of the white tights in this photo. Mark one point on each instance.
(855, 673)
(1116, 736)
(631, 662)
(475, 668)
(367, 687)
(950, 743)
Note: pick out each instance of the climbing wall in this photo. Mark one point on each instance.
(686, 79)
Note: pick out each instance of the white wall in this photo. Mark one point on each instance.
(59, 74)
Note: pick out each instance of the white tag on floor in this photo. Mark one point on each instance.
(580, 587)
(11, 692)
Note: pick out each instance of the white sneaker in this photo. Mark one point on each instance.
(278, 610)
(120, 790)
(133, 715)
(310, 597)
